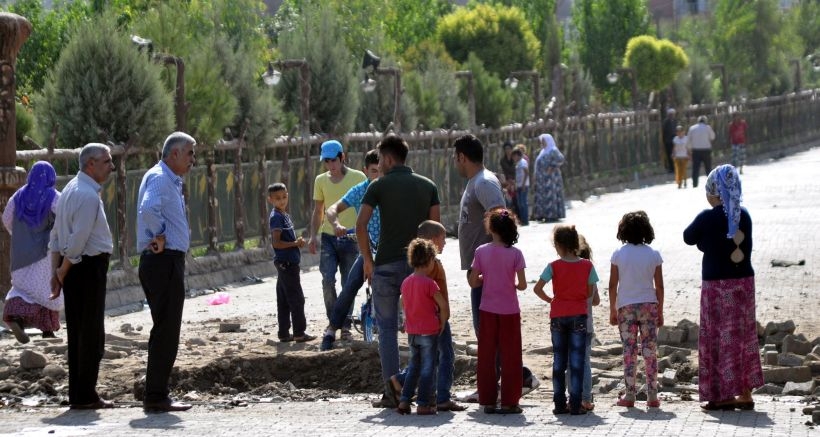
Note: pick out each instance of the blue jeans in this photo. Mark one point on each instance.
(446, 361)
(344, 303)
(336, 254)
(421, 369)
(387, 279)
(586, 392)
(569, 347)
(523, 207)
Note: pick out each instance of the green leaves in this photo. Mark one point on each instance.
(656, 62)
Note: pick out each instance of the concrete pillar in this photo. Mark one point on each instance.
(14, 30)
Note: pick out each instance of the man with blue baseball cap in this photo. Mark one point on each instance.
(336, 253)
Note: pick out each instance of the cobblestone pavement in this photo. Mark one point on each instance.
(783, 197)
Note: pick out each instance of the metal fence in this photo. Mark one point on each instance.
(226, 190)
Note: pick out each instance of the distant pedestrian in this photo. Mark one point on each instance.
(405, 199)
(700, 138)
(29, 218)
(163, 239)
(83, 239)
(669, 129)
(737, 137)
(573, 279)
(498, 268)
(636, 303)
(681, 154)
(290, 299)
(728, 359)
(426, 314)
(548, 202)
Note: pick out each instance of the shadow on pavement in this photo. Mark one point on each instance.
(157, 421)
(73, 418)
(509, 420)
(652, 414)
(746, 419)
(583, 421)
(389, 417)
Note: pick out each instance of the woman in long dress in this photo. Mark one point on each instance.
(728, 357)
(548, 202)
(29, 217)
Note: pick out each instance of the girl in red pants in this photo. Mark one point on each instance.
(500, 268)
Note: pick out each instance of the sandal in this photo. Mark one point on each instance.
(425, 410)
(655, 403)
(450, 406)
(588, 406)
(745, 405)
(718, 406)
(403, 408)
(515, 409)
(625, 403)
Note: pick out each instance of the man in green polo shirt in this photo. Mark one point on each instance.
(405, 199)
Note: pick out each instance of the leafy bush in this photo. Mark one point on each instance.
(25, 123)
(103, 87)
(493, 103)
(656, 62)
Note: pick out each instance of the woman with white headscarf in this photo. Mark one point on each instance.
(548, 202)
(729, 361)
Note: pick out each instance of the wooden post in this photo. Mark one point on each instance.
(14, 30)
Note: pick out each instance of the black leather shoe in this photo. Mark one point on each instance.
(165, 406)
(100, 404)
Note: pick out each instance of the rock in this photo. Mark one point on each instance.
(693, 334)
(602, 364)
(816, 341)
(664, 363)
(789, 360)
(811, 357)
(782, 375)
(770, 347)
(761, 331)
(126, 327)
(776, 338)
(599, 351)
(667, 335)
(770, 358)
(768, 389)
(142, 345)
(795, 345)
(546, 350)
(607, 385)
(113, 355)
(810, 409)
(615, 349)
(58, 349)
(798, 388)
(5, 372)
(271, 342)
(472, 350)
(814, 367)
(787, 327)
(9, 387)
(54, 371)
(669, 377)
(229, 327)
(686, 324)
(665, 350)
(32, 360)
(695, 380)
(816, 349)
(196, 341)
(815, 417)
(214, 338)
(119, 341)
(191, 396)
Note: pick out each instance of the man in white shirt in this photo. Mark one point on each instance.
(82, 245)
(700, 137)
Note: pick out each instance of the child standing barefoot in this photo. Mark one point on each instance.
(636, 302)
(572, 281)
(500, 268)
(585, 252)
(426, 313)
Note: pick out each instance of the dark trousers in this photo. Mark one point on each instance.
(499, 340)
(84, 290)
(698, 156)
(290, 300)
(163, 280)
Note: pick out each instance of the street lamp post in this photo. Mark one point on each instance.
(467, 74)
(621, 71)
(798, 79)
(536, 86)
(14, 31)
(371, 63)
(180, 105)
(724, 86)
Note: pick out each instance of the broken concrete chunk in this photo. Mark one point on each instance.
(229, 327)
(796, 345)
(669, 377)
(782, 375)
(768, 389)
(789, 359)
(770, 358)
(32, 360)
(798, 388)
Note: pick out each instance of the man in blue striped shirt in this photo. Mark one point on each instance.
(163, 238)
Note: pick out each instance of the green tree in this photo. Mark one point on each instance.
(493, 103)
(102, 86)
(604, 28)
(498, 35)
(51, 34)
(432, 85)
(656, 62)
(544, 24)
(334, 94)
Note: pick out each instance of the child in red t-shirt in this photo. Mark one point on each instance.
(426, 313)
(572, 281)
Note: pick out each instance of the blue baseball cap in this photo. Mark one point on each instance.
(331, 149)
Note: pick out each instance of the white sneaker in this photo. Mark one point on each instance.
(534, 383)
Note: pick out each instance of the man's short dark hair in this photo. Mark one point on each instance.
(394, 146)
(278, 186)
(470, 146)
(371, 157)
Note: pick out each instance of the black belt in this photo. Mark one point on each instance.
(164, 252)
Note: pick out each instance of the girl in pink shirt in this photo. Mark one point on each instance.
(500, 268)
